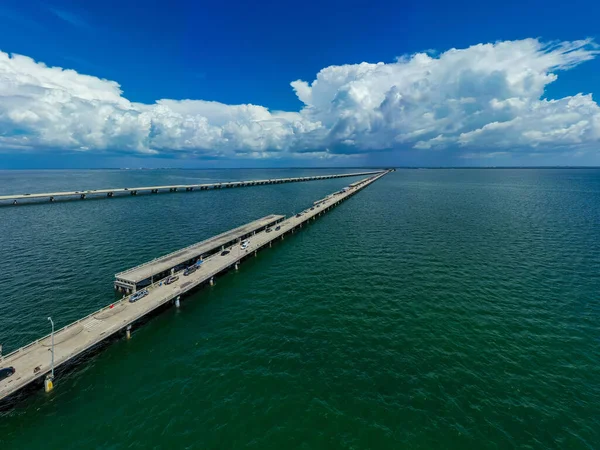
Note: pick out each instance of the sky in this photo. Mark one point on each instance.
(277, 84)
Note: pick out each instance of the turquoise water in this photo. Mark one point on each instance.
(434, 309)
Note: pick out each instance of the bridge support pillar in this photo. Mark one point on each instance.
(51, 199)
(236, 266)
(128, 332)
(212, 281)
(82, 196)
(255, 253)
(270, 244)
(14, 202)
(48, 383)
(177, 302)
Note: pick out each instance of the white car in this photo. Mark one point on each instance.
(245, 245)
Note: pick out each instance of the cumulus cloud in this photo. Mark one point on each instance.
(486, 97)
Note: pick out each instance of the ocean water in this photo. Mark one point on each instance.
(435, 309)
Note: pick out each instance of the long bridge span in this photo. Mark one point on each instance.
(36, 361)
(16, 199)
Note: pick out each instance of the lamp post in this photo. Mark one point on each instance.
(52, 336)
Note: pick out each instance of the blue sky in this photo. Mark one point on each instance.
(241, 53)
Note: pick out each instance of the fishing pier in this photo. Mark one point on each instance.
(37, 361)
(17, 199)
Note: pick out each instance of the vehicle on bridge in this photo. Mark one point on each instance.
(138, 295)
(190, 270)
(7, 372)
(172, 279)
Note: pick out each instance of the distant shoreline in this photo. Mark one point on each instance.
(305, 168)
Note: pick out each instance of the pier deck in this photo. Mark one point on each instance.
(108, 193)
(32, 362)
(134, 278)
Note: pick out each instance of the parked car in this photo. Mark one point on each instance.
(245, 245)
(189, 271)
(172, 279)
(225, 252)
(138, 295)
(277, 228)
(268, 230)
(299, 215)
(7, 372)
(312, 208)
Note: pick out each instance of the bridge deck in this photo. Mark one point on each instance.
(165, 263)
(33, 360)
(175, 187)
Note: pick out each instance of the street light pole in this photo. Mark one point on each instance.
(52, 335)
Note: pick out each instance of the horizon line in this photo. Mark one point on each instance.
(303, 167)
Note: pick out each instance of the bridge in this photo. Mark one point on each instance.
(37, 361)
(140, 276)
(16, 199)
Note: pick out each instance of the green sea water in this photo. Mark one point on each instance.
(454, 309)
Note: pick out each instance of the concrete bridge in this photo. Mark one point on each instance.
(16, 199)
(37, 361)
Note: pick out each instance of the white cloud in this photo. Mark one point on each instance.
(487, 98)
